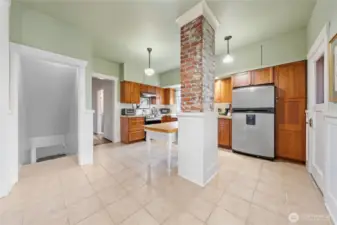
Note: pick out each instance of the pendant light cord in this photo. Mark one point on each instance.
(227, 47)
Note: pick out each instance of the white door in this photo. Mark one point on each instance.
(108, 110)
(317, 104)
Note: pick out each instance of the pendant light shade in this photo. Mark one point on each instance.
(228, 58)
(149, 71)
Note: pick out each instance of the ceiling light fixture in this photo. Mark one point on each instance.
(228, 58)
(149, 71)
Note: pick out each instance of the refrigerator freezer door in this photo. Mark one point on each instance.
(254, 97)
(253, 133)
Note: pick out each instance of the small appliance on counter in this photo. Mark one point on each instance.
(225, 111)
(165, 111)
(128, 112)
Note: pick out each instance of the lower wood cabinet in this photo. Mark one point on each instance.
(166, 119)
(132, 129)
(225, 132)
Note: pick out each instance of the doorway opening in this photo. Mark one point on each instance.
(104, 104)
(47, 107)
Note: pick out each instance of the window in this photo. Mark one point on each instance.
(178, 99)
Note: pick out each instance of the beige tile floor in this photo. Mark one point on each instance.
(121, 189)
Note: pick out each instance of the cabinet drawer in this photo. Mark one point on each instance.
(136, 123)
(136, 135)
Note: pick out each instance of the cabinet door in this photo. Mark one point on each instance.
(217, 91)
(172, 96)
(158, 100)
(135, 93)
(143, 88)
(290, 80)
(224, 132)
(262, 76)
(125, 92)
(152, 89)
(162, 96)
(241, 80)
(226, 91)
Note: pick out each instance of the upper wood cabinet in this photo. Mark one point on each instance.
(151, 89)
(169, 97)
(223, 91)
(262, 76)
(129, 92)
(241, 79)
(144, 88)
(217, 91)
(291, 80)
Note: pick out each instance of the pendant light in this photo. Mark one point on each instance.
(228, 58)
(149, 71)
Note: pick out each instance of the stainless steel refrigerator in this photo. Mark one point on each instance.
(253, 121)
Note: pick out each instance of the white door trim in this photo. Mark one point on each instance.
(115, 104)
(319, 48)
(17, 51)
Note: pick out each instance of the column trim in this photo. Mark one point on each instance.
(199, 9)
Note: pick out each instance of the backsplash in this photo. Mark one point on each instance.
(148, 111)
(220, 106)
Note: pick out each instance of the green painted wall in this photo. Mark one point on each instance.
(171, 77)
(323, 13)
(284, 48)
(32, 28)
(135, 72)
(281, 49)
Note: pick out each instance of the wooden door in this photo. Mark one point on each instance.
(290, 80)
(158, 101)
(262, 76)
(169, 96)
(151, 89)
(217, 91)
(241, 80)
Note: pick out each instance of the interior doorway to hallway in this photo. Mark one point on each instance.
(104, 105)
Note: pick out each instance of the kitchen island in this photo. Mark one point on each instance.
(162, 132)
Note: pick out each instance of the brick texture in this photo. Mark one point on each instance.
(197, 66)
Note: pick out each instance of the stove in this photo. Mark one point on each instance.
(152, 119)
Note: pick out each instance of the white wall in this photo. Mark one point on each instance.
(48, 106)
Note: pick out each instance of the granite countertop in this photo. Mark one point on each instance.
(224, 117)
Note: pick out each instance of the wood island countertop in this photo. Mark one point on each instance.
(170, 127)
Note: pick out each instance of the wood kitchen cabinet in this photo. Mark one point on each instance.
(132, 129)
(169, 96)
(144, 88)
(241, 80)
(225, 132)
(166, 119)
(290, 80)
(262, 76)
(223, 91)
(129, 92)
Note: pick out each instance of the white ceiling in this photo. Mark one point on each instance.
(122, 30)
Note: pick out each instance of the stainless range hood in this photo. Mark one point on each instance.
(148, 95)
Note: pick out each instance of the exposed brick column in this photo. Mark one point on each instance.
(197, 66)
(197, 134)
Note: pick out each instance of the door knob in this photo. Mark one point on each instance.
(310, 122)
